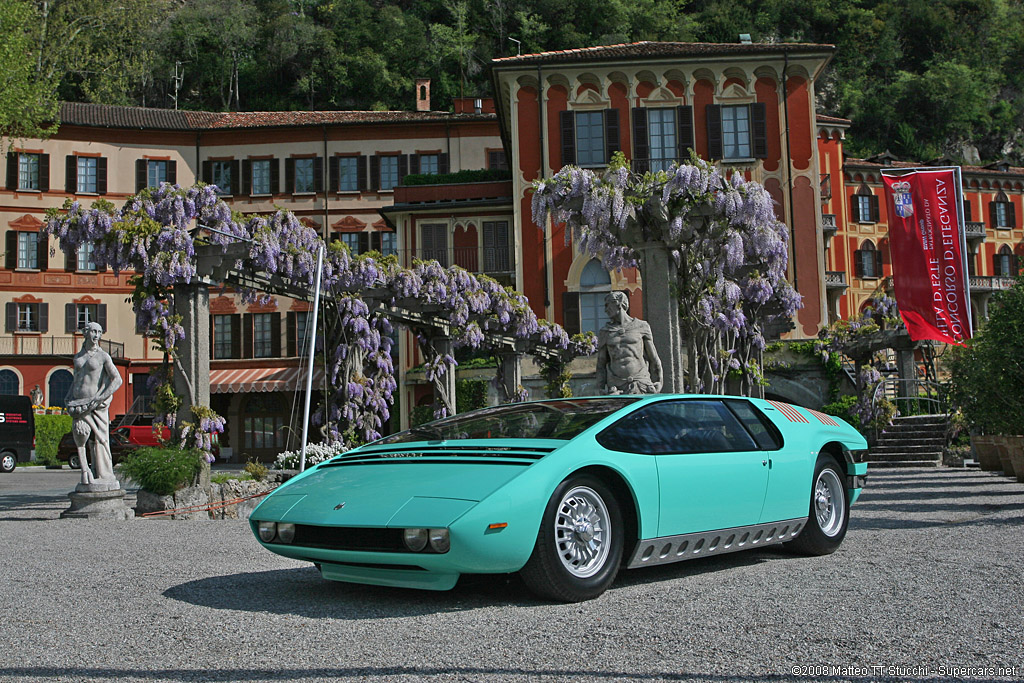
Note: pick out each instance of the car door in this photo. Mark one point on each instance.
(711, 474)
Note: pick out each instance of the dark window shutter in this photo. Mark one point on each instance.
(246, 177)
(44, 172)
(442, 164)
(759, 129)
(611, 133)
(12, 170)
(207, 171)
(101, 315)
(567, 124)
(858, 263)
(684, 132)
(289, 176)
(101, 175)
(332, 174)
(318, 186)
(878, 262)
(967, 210)
(995, 264)
(361, 173)
(71, 261)
(571, 312)
(1011, 214)
(873, 207)
(235, 174)
(11, 255)
(213, 340)
(374, 173)
(292, 331)
(172, 172)
(236, 335)
(12, 317)
(140, 174)
(403, 167)
(364, 242)
(71, 174)
(275, 323)
(414, 163)
(641, 144)
(714, 121)
(247, 335)
(70, 318)
(44, 318)
(43, 254)
(854, 208)
(275, 176)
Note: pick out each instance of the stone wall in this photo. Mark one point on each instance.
(207, 495)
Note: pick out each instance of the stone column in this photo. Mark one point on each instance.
(661, 311)
(906, 366)
(192, 375)
(444, 386)
(511, 372)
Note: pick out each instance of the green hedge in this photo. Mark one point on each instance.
(50, 429)
(163, 470)
(469, 176)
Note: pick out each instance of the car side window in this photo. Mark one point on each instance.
(678, 427)
(764, 432)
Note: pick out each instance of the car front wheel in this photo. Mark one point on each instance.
(73, 462)
(579, 546)
(7, 462)
(829, 511)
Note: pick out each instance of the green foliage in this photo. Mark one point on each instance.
(468, 176)
(163, 470)
(420, 415)
(843, 407)
(50, 429)
(256, 470)
(470, 394)
(988, 375)
(555, 372)
(28, 98)
(224, 477)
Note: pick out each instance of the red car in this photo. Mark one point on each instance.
(119, 447)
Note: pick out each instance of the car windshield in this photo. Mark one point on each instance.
(557, 419)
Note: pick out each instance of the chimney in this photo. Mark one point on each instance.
(478, 105)
(422, 94)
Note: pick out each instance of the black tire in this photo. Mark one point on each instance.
(579, 545)
(73, 462)
(829, 511)
(8, 462)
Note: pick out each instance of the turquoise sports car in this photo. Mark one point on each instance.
(567, 491)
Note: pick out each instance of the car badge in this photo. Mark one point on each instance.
(339, 506)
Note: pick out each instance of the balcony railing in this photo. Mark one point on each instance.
(988, 283)
(488, 260)
(828, 222)
(835, 279)
(975, 230)
(32, 345)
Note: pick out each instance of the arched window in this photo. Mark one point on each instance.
(59, 385)
(595, 283)
(864, 205)
(867, 261)
(1001, 212)
(9, 383)
(1004, 263)
(264, 418)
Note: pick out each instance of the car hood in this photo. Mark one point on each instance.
(413, 484)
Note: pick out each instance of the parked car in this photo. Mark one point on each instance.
(17, 431)
(140, 431)
(119, 447)
(565, 491)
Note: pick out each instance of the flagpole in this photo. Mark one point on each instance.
(312, 349)
(963, 246)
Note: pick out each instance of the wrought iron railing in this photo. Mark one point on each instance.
(828, 222)
(33, 345)
(975, 229)
(835, 278)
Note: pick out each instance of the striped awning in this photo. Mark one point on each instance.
(247, 380)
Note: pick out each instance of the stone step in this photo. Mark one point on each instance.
(915, 429)
(921, 418)
(887, 464)
(937, 444)
(889, 450)
(916, 455)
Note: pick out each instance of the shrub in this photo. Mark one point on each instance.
(163, 470)
(470, 394)
(256, 470)
(843, 408)
(420, 415)
(50, 429)
(315, 453)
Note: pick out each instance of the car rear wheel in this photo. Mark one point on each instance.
(579, 546)
(73, 462)
(8, 462)
(829, 511)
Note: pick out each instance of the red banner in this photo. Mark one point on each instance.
(926, 240)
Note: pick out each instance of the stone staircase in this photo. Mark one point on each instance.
(913, 441)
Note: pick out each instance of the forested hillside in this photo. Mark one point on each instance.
(918, 77)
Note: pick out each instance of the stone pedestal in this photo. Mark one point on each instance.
(98, 505)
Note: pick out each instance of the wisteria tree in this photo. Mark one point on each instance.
(155, 235)
(726, 256)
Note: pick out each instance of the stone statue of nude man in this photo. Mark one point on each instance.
(627, 362)
(96, 379)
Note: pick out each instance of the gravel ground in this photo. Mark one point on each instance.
(927, 586)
